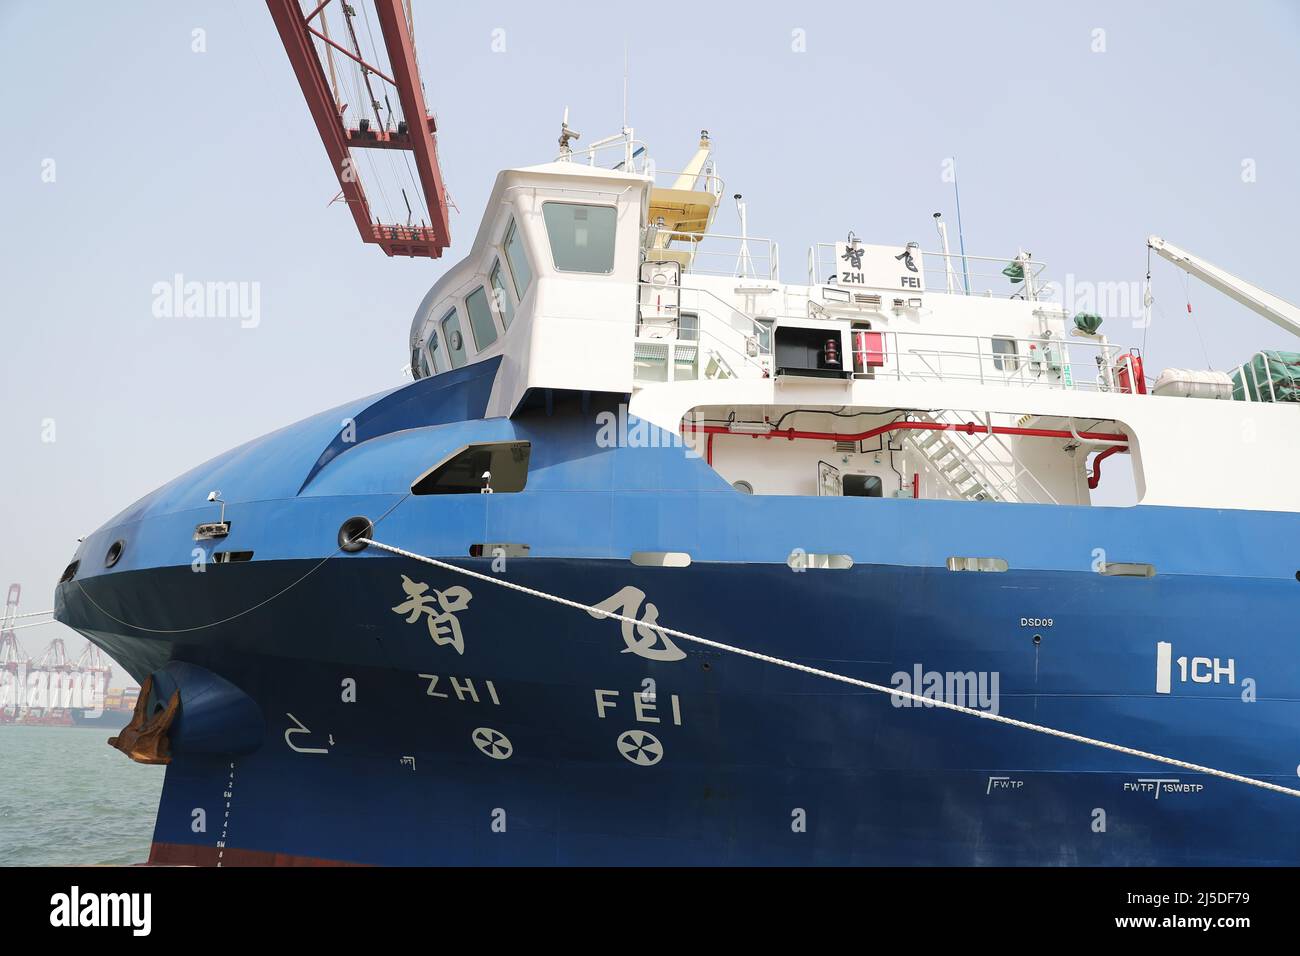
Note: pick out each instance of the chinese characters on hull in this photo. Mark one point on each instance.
(439, 608)
(641, 639)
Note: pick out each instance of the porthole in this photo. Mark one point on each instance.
(744, 487)
(977, 564)
(661, 559)
(499, 550)
(114, 553)
(1128, 569)
(801, 560)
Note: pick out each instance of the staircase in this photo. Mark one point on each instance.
(968, 466)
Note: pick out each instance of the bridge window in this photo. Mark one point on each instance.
(437, 353)
(505, 305)
(521, 272)
(506, 463)
(1004, 352)
(455, 341)
(480, 319)
(582, 236)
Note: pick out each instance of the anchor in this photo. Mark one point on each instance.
(145, 739)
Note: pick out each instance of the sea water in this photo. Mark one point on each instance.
(68, 799)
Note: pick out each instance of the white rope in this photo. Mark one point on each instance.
(20, 627)
(30, 614)
(829, 675)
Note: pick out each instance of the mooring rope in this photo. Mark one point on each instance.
(19, 627)
(843, 679)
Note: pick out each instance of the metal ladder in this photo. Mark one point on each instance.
(966, 468)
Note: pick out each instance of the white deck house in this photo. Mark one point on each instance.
(610, 280)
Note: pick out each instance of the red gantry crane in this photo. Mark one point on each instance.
(13, 662)
(376, 74)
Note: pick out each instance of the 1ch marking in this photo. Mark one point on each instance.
(1199, 670)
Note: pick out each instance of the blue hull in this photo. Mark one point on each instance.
(348, 731)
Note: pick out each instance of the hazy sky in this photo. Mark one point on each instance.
(206, 164)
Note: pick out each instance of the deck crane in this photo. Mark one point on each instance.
(306, 37)
(1276, 310)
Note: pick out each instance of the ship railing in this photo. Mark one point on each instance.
(1042, 362)
(1255, 388)
(705, 180)
(687, 334)
(951, 273)
(630, 155)
(618, 152)
(715, 254)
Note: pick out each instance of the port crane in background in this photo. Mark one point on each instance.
(54, 657)
(1276, 310)
(95, 662)
(365, 118)
(12, 659)
(18, 669)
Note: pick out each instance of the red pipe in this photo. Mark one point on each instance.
(970, 428)
(916, 484)
(1095, 478)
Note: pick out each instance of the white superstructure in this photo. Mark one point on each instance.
(889, 371)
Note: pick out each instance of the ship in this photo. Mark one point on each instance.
(662, 558)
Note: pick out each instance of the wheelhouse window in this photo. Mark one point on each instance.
(582, 236)
(480, 318)
(499, 467)
(1004, 354)
(437, 353)
(520, 271)
(420, 364)
(453, 339)
(505, 305)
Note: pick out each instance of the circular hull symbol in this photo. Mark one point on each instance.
(640, 747)
(492, 742)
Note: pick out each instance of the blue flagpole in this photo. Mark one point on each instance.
(961, 236)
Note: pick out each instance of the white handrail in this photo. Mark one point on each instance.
(765, 261)
(711, 323)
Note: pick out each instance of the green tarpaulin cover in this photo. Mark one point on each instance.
(1268, 377)
(1087, 322)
